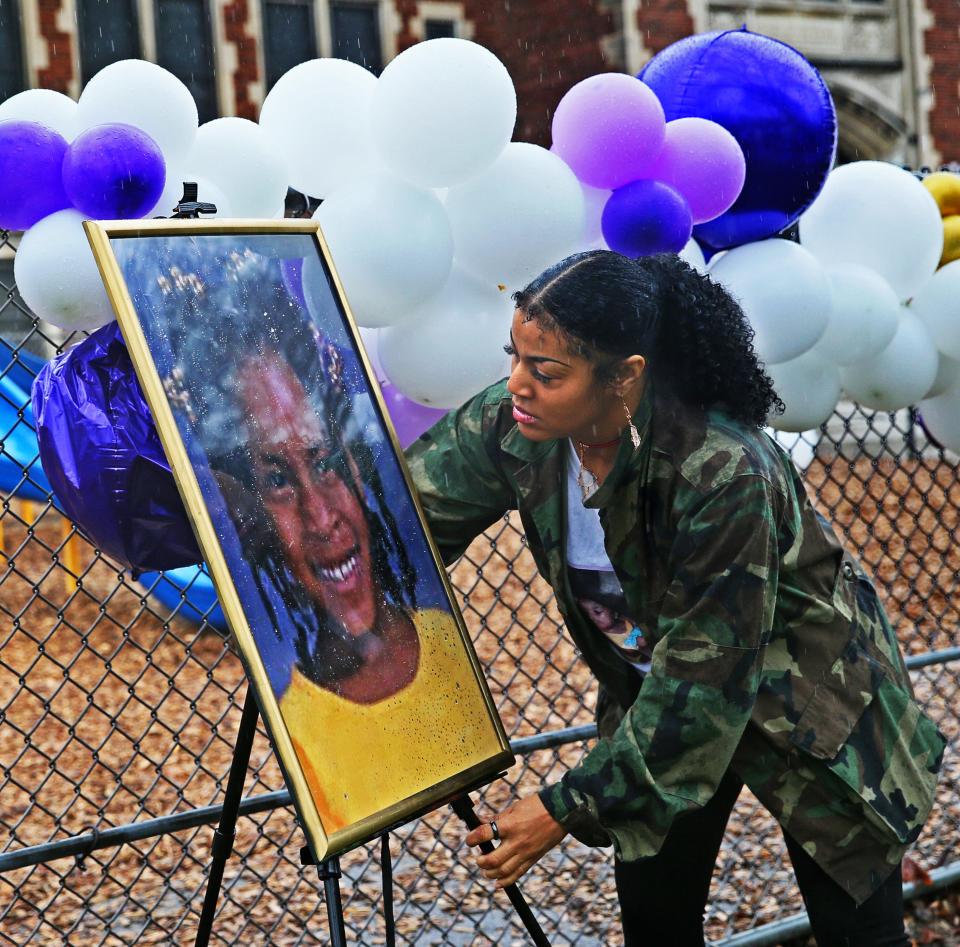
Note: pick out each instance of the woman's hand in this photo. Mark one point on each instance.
(527, 833)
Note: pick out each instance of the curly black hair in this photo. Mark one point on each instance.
(694, 335)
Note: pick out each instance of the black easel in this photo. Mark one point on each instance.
(225, 833)
(190, 207)
(464, 809)
(328, 870)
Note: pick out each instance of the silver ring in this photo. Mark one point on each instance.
(495, 831)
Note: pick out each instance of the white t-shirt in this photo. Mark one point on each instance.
(595, 585)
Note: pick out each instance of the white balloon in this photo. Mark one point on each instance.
(443, 111)
(452, 347)
(901, 374)
(391, 244)
(594, 200)
(317, 115)
(948, 376)
(784, 293)
(207, 192)
(522, 214)
(57, 276)
(809, 387)
(864, 315)
(880, 216)
(693, 255)
(234, 154)
(941, 417)
(371, 345)
(53, 109)
(938, 304)
(142, 94)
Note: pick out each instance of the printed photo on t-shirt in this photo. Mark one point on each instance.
(600, 596)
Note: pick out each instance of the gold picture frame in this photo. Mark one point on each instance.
(156, 298)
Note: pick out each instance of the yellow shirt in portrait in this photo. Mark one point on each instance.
(360, 758)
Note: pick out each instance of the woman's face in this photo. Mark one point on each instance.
(321, 525)
(555, 393)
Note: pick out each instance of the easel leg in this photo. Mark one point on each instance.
(329, 873)
(226, 831)
(463, 807)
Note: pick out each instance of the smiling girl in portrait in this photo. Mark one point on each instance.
(368, 680)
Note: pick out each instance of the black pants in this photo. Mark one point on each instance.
(662, 899)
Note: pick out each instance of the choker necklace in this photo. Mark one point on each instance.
(611, 443)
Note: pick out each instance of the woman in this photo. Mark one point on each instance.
(628, 437)
(380, 686)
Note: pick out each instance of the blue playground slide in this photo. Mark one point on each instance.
(19, 442)
(188, 591)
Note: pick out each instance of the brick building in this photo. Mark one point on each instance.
(893, 65)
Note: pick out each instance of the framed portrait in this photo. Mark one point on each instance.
(289, 468)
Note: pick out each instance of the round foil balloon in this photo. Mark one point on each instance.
(114, 171)
(103, 457)
(773, 102)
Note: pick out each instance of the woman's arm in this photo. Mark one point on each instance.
(677, 740)
(462, 489)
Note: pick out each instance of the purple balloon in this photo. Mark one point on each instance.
(102, 454)
(31, 188)
(608, 129)
(702, 161)
(114, 171)
(410, 419)
(774, 103)
(646, 217)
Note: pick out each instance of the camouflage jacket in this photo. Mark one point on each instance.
(772, 654)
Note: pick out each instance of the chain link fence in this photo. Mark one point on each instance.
(118, 716)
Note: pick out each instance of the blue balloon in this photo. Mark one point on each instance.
(31, 159)
(114, 171)
(646, 217)
(102, 454)
(774, 103)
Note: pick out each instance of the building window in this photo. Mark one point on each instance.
(439, 29)
(355, 29)
(11, 56)
(185, 48)
(108, 33)
(289, 36)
